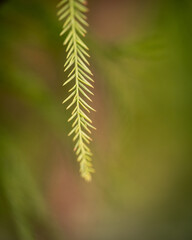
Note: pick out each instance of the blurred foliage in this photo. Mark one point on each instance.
(142, 147)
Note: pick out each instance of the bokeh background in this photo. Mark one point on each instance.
(142, 62)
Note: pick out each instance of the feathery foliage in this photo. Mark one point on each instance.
(73, 14)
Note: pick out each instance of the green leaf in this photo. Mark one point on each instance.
(72, 12)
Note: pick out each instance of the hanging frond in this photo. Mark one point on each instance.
(73, 14)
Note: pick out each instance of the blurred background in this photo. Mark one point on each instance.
(141, 56)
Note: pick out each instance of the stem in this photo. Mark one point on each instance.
(81, 143)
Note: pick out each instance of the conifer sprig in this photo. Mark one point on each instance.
(73, 14)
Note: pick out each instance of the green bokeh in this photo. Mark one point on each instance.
(142, 146)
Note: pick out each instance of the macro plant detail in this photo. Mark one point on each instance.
(72, 12)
